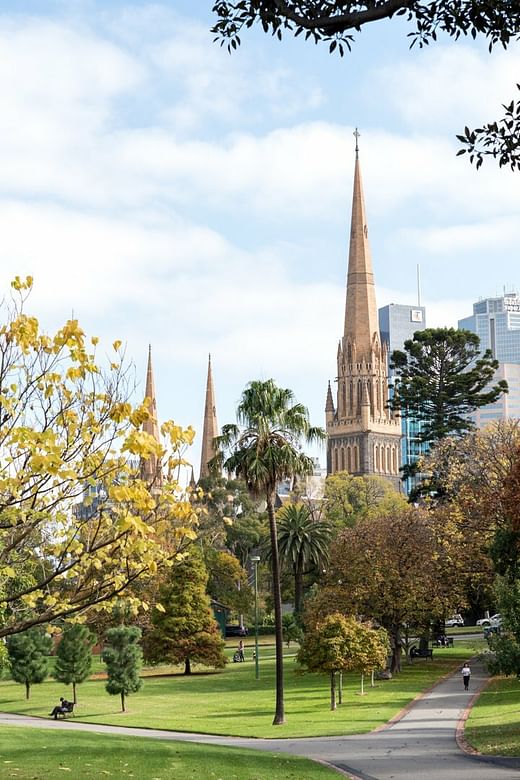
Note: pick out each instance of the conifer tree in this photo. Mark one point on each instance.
(184, 629)
(441, 378)
(74, 656)
(28, 657)
(123, 658)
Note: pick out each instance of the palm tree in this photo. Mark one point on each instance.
(302, 542)
(264, 449)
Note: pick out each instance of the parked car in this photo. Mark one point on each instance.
(454, 621)
(236, 631)
(494, 620)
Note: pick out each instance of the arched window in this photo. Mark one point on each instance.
(356, 457)
(351, 397)
(349, 459)
(342, 459)
(335, 461)
(344, 397)
(376, 457)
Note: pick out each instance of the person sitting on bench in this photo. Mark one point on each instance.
(63, 707)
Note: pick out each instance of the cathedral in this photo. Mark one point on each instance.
(363, 436)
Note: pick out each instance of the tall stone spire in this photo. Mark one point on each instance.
(210, 429)
(362, 436)
(151, 468)
(361, 320)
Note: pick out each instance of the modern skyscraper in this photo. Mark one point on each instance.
(397, 324)
(363, 437)
(496, 321)
(210, 428)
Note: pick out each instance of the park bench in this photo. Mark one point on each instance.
(69, 710)
(422, 652)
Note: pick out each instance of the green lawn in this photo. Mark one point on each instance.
(233, 702)
(40, 754)
(493, 726)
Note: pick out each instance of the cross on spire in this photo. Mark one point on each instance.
(356, 133)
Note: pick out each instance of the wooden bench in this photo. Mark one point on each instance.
(69, 710)
(420, 653)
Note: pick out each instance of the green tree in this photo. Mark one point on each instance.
(303, 542)
(264, 449)
(74, 656)
(339, 644)
(396, 570)
(441, 379)
(292, 631)
(123, 658)
(348, 499)
(29, 657)
(228, 581)
(183, 627)
(334, 22)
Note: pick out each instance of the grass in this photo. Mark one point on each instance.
(40, 754)
(493, 727)
(232, 702)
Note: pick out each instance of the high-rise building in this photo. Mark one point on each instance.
(398, 323)
(363, 437)
(496, 321)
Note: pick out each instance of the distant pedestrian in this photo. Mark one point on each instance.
(466, 674)
(240, 651)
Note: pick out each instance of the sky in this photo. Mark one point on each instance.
(165, 192)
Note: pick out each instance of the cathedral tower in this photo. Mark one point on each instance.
(210, 429)
(362, 435)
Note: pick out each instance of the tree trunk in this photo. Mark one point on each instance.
(372, 683)
(123, 702)
(298, 587)
(362, 684)
(333, 690)
(74, 699)
(340, 688)
(395, 667)
(27, 689)
(279, 715)
(187, 666)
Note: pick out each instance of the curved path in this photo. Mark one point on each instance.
(420, 744)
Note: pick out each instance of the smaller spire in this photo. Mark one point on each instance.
(210, 428)
(151, 467)
(329, 406)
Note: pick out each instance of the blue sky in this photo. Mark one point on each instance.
(168, 193)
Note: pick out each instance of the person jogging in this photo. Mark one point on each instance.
(466, 674)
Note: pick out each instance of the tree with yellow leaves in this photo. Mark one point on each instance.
(68, 429)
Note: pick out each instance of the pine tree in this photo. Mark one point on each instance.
(74, 656)
(123, 658)
(441, 378)
(28, 657)
(186, 630)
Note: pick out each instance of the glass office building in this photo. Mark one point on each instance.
(496, 321)
(397, 324)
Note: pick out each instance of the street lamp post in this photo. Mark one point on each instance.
(255, 560)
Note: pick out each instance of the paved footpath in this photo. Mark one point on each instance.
(419, 746)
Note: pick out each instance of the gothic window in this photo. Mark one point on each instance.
(356, 457)
(376, 457)
(351, 397)
(344, 397)
(349, 460)
(394, 460)
(359, 396)
(342, 459)
(335, 461)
